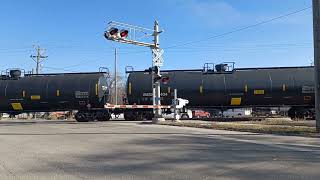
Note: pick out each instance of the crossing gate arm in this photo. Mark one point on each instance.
(112, 106)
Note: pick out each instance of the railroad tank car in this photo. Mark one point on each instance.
(54, 92)
(220, 88)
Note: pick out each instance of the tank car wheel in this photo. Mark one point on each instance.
(185, 116)
(81, 117)
(302, 114)
(292, 113)
(129, 116)
(104, 116)
(149, 116)
(140, 117)
(298, 113)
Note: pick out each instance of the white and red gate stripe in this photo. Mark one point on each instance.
(112, 106)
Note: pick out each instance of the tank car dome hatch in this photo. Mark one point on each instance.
(221, 67)
(15, 73)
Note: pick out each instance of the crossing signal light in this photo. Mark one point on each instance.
(153, 70)
(156, 69)
(150, 70)
(165, 80)
(157, 78)
(124, 33)
(112, 33)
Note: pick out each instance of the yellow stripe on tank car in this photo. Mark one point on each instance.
(246, 88)
(17, 106)
(201, 89)
(284, 88)
(130, 88)
(307, 98)
(58, 93)
(235, 101)
(97, 89)
(258, 92)
(35, 97)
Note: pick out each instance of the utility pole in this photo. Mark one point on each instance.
(316, 37)
(38, 58)
(115, 77)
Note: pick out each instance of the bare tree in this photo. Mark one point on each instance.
(121, 88)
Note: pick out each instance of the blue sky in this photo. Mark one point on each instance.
(72, 33)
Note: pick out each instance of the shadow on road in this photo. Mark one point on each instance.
(181, 157)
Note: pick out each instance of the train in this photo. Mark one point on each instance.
(214, 87)
(25, 93)
(224, 87)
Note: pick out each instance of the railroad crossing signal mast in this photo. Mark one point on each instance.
(130, 34)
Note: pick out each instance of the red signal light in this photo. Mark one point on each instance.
(113, 31)
(124, 33)
(165, 80)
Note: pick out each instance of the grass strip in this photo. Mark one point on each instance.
(255, 128)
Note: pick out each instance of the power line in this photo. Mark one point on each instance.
(248, 47)
(258, 45)
(14, 49)
(242, 28)
(60, 69)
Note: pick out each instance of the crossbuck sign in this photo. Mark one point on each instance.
(157, 57)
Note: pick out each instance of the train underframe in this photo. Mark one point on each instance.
(134, 115)
(92, 115)
(301, 113)
(80, 116)
(147, 114)
(295, 113)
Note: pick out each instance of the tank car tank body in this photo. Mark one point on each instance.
(223, 89)
(55, 92)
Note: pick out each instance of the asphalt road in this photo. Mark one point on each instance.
(131, 150)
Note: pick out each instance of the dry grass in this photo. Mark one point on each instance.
(282, 121)
(268, 127)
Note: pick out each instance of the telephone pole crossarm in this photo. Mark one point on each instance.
(38, 58)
